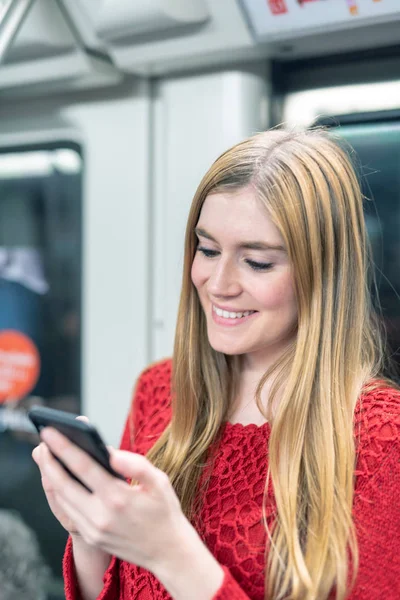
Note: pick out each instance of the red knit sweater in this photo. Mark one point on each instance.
(231, 523)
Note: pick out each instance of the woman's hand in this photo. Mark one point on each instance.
(143, 524)
(41, 455)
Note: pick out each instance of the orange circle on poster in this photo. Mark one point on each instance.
(19, 365)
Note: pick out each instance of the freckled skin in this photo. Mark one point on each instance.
(227, 280)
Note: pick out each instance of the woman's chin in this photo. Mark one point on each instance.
(225, 348)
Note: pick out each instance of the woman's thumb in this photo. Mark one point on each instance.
(134, 466)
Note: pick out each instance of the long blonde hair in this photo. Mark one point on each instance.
(307, 184)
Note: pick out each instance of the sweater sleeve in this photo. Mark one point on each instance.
(230, 589)
(71, 588)
(111, 576)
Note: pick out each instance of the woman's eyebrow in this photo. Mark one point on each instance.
(245, 245)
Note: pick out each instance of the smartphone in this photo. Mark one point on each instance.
(84, 435)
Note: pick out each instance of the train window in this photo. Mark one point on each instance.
(302, 108)
(40, 315)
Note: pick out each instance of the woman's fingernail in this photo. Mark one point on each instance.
(82, 418)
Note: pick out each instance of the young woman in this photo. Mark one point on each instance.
(264, 458)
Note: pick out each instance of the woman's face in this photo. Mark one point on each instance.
(243, 277)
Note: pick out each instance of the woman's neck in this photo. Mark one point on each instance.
(244, 407)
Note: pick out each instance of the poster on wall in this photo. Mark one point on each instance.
(22, 289)
(284, 19)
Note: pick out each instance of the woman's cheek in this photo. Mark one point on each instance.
(276, 293)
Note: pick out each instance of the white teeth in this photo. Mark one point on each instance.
(231, 315)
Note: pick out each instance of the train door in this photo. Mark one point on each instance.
(40, 320)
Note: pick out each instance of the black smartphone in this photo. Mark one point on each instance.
(84, 435)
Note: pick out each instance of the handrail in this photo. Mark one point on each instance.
(14, 12)
(12, 15)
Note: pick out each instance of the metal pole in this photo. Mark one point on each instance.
(12, 15)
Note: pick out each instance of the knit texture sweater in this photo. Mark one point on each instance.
(231, 520)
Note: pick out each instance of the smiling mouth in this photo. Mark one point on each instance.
(232, 315)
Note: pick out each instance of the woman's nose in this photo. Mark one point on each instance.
(224, 280)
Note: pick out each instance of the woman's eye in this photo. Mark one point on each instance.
(207, 252)
(256, 266)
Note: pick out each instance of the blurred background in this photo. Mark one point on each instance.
(110, 113)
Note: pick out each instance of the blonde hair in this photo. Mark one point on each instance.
(307, 184)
